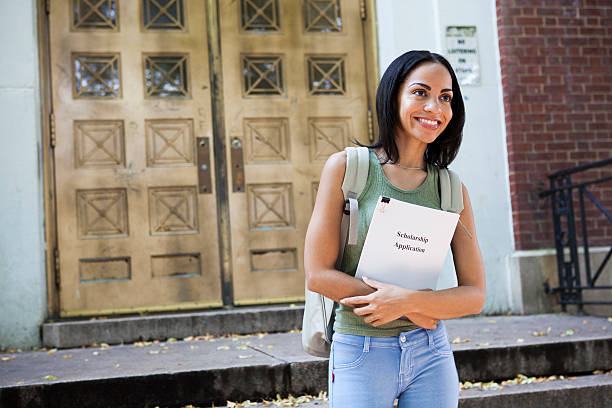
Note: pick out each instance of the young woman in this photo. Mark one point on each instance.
(389, 342)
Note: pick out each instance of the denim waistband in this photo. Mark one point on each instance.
(404, 339)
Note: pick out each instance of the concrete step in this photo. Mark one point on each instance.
(589, 391)
(239, 320)
(206, 370)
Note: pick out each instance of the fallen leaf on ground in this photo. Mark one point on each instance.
(520, 340)
(491, 321)
(50, 377)
(460, 340)
(568, 332)
(483, 344)
(8, 358)
(223, 348)
(67, 356)
(52, 351)
(249, 356)
(154, 352)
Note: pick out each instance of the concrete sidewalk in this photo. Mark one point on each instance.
(197, 370)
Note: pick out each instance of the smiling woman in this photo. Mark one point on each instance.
(389, 342)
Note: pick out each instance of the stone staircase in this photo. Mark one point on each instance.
(202, 369)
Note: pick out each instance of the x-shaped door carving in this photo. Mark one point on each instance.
(160, 81)
(322, 71)
(90, 71)
(169, 142)
(318, 16)
(270, 206)
(252, 12)
(176, 20)
(94, 16)
(263, 75)
(109, 216)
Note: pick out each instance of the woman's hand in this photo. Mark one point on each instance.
(423, 321)
(382, 306)
(386, 304)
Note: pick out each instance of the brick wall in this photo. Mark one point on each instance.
(556, 59)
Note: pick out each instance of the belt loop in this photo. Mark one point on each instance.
(366, 344)
(430, 337)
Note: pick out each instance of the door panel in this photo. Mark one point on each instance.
(137, 228)
(131, 87)
(295, 92)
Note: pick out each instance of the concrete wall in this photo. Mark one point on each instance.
(482, 160)
(538, 267)
(22, 276)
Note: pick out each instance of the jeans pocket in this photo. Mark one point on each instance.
(346, 355)
(440, 344)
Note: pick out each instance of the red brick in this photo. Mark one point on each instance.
(550, 21)
(576, 22)
(553, 31)
(592, 31)
(509, 30)
(525, 21)
(545, 11)
(529, 31)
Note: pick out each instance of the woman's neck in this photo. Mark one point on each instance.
(410, 152)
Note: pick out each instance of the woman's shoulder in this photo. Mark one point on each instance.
(336, 163)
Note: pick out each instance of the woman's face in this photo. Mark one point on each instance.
(425, 102)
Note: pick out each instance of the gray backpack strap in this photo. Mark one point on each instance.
(355, 178)
(451, 191)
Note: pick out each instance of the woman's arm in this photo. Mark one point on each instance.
(323, 237)
(389, 302)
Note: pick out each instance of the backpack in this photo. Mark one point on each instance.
(319, 311)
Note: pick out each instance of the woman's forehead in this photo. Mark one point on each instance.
(430, 73)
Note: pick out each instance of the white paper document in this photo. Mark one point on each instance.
(406, 244)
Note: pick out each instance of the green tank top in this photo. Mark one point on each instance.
(426, 195)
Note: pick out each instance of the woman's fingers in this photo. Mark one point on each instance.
(363, 310)
(355, 300)
(373, 283)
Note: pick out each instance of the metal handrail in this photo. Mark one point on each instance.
(562, 197)
(582, 167)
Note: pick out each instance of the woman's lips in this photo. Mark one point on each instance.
(431, 124)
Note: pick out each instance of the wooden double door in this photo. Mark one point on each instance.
(189, 136)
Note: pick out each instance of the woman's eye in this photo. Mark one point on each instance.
(419, 92)
(446, 98)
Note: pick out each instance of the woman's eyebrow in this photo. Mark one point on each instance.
(429, 87)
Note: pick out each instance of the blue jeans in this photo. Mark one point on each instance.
(417, 367)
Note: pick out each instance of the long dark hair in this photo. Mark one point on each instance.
(443, 150)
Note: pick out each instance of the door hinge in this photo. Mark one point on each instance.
(363, 9)
(47, 6)
(370, 126)
(52, 129)
(56, 261)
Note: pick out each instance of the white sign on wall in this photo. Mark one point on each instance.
(462, 53)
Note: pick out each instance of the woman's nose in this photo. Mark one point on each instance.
(433, 105)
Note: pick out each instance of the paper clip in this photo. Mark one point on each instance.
(383, 204)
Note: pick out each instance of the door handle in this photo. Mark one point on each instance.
(237, 165)
(204, 173)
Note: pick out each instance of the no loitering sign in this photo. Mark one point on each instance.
(462, 53)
